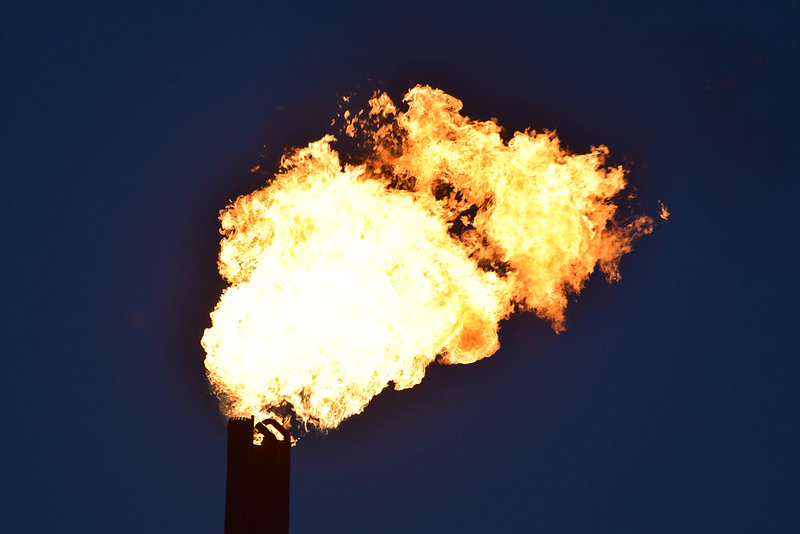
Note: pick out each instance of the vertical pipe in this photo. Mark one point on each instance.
(257, 491)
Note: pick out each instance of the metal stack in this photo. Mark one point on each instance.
(257, 492)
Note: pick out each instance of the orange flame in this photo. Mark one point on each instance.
(345, 278)
(663, 211)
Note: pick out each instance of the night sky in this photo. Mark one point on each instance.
(671, 402)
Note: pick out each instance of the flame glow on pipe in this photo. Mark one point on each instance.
(347, 277)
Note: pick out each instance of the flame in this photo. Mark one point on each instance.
(346, 277)
(663, 211)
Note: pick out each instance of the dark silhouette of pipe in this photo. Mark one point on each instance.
(257, 490)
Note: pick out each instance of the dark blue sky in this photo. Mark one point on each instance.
(669, 405)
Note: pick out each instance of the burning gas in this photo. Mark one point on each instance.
(347, 276)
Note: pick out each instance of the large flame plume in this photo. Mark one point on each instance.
(346, 276)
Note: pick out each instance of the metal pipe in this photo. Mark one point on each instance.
(257, 486)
